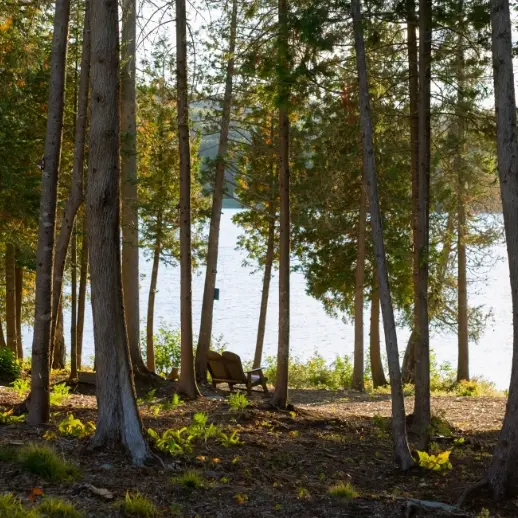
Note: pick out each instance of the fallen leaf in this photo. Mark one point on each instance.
(104, 493)
(35, 492)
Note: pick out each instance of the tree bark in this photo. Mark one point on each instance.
(187, 384)
(413, 88)
(76, 196)
(59, 356)
(462, 288)
(18, 272)
(505, 458)
(359, 370)
(83, 279)
(10, 297)
(41, 346)
(422, 411)
(129, 214)
(280, 396)
(217, 204)
(118, 419)
(73, 319)
(268, 264)
(378, 376)
(401, 449)
(150, 346)
(2, 337)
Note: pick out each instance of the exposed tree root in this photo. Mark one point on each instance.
(471, 489)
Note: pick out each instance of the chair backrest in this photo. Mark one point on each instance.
(216, 366)
(234, 366)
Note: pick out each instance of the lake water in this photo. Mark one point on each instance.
(237, 310)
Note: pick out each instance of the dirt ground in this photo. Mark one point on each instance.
(285, 465)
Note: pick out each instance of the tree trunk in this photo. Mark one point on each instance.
(280, 396)
(73, 319)
(129, 214)
(422, 412)
(187, 383)
(378, 376)
(150, 347)
(76, 196)
(18, 272)
(505, 458)
(59, 357)
(118, 419)
(268, 263)
(39, 402)
(2, 337)
(358, 372)
(401, 449)
(10, 298)
(217, 204)
(462, 289)
(83, 279)
(413, 88)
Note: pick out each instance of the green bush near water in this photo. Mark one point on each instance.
(10, 368)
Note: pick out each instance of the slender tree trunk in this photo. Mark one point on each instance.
(129, 214)
(378, 376)
(150, 347)
(268, 263)
(422, 411)
(83, 279)
(59, 357)
(413, 88)
(2, 337)
(462, 290)
(187, 383)
(358, 371)
(118, 419)
(19, 300)
(217, 204)
(401, 449)
(280, 396)
(75, 198)
(503, 464)
(10, 297)
(73, 323)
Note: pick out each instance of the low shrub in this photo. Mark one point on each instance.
(45, 462)
(166, 342)
(10, 368)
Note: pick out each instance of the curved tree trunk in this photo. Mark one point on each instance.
(187, 383)
(280, 396)
(422, 410)
(268, 263)
(217, 204)
(378, 376)
(129, 214)
(150, 347)
(59, 357)
(73, 319)
(10, 297)
(413, 88)
(503, 464)
(75, 198)
(18, 272)
(359, 370)
(83, 279)
(401, 449)
(118, 419)
(39, 407)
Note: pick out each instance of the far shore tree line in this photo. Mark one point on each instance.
(356, 137)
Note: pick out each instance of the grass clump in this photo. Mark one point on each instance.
(11, 507)
(343, 491)
(45, 462)
(137, 506)
(8, 454)
(58, 508)
(190, 479)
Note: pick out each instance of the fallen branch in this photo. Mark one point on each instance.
(480, 484)
(431, 505)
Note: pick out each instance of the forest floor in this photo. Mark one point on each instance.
(284, 466)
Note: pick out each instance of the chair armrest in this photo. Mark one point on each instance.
(258, 369)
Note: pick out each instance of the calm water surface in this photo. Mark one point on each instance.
(236, 313)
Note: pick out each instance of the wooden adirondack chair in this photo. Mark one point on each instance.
(227, 368)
